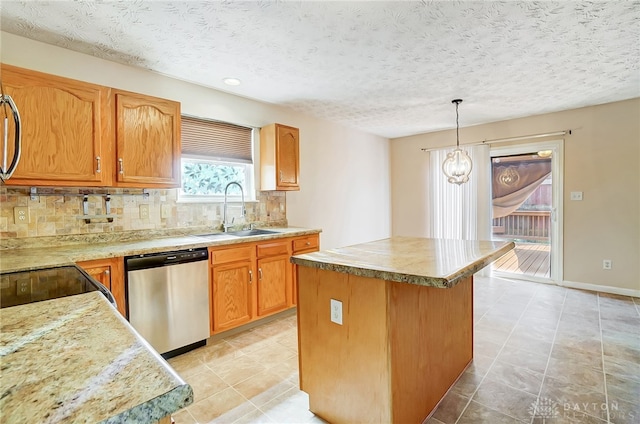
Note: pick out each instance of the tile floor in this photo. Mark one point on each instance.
(543, 354)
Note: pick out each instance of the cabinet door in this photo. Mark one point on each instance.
(147, 141)
(273, 275)
(109, 272)
(102, 274)
(287, 157)
(231, 295)
(65, 130)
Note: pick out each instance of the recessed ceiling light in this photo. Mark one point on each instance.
(231, 81)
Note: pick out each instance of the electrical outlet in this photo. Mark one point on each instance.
(144, 211)
(576, 195)
(606, 264)
(23, 288)
(21, 214)
(336, 311)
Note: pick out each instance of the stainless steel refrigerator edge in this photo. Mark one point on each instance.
(168, 298)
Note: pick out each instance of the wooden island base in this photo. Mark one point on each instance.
(399, 348)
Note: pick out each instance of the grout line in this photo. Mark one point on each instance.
(499, 352)
(553, 342)
(604, 371)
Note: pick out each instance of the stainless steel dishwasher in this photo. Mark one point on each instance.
(168, 299)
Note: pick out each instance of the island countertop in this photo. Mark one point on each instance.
(75, 359)
(422, 261)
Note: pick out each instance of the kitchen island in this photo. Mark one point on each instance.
(385, 328)
(75, 359)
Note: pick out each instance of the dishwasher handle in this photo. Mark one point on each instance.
(156, 260)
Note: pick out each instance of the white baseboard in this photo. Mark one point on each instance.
(599, 288)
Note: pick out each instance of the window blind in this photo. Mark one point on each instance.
(221, 140)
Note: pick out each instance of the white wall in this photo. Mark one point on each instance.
(344, 173)
(600, 159)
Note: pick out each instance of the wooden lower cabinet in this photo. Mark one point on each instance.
(109, 272)
(274, 277)
(232, 275)
(249, 281)
(231, 295)
(301, 245)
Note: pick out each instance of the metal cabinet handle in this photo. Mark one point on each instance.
(250, 276)
(308, 244)
(120, 162)
(260, 273)
(99, 168)
(280, 176)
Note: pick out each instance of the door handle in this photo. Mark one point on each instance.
(5, 173)
(259, 273)
(250, 276)
(120, 162)
(99, 168)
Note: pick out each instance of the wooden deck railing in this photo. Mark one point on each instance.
(528, 225)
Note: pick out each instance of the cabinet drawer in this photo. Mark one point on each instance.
(306, 243)
(233, 254)
(273, 249)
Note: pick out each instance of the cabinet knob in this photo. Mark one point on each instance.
(107, 272)
(308, 244)
(120, 162)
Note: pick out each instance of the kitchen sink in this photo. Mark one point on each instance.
(243, 233)
(212, 235)
(248, 233)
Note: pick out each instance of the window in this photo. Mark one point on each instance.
(213, 155)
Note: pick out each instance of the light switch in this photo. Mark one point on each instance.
(576, 195)
(165, 211)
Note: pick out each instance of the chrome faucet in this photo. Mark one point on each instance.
(225, 225)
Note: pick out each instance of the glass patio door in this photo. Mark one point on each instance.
(526, 199)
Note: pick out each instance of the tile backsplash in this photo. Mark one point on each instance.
(60, 211)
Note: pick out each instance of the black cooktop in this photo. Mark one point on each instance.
(19, 288)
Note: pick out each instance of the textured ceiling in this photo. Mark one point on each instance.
(388, 68)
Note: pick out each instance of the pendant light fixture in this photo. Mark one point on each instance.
(457, 166)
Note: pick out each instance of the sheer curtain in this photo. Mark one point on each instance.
(461, 211)
(514, 182)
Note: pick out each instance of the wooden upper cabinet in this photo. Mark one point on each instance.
(147, 141)
(65, 129)
(279, 157)
(86, 135)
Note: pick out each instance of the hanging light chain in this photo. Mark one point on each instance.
(457, 102)
(457, 127)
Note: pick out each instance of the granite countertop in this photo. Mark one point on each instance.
(75, 359)
(427, 262)
(18, 259)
